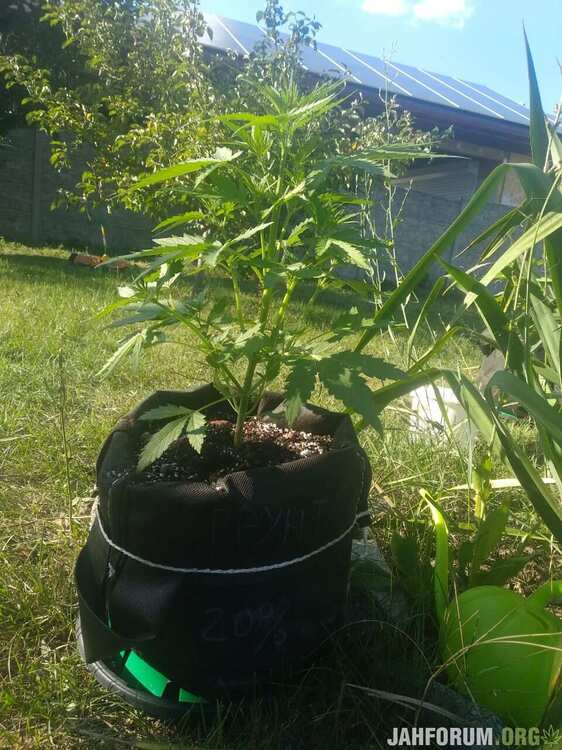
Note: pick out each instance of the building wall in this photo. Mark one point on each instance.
(425, 217)
(28, 185)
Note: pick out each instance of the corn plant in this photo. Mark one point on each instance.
(524, 319)
(274, 176)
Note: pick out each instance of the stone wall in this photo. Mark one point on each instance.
(425, 217)
(28, 185)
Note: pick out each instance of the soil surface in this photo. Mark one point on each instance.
(265, 444)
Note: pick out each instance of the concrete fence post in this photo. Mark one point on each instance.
(36, 188)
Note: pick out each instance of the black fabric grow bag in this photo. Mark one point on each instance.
(221, 587)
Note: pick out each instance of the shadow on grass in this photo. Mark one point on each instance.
(324, 707)
(50, 268)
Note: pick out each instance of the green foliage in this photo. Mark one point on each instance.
(125, 86)
(294, 230)
(184, 422)
(505, 650)
(524, 318)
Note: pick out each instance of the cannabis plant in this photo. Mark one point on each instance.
(274, 181)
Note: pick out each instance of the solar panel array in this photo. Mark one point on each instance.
(376, 73)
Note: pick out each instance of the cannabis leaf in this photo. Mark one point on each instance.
(190, 422)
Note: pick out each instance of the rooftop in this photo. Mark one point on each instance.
(451, 99)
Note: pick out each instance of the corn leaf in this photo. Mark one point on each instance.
(550, 333)
(488, 536)
(497, 321)
(441, 572)
(548, 508)
(430, 299)
(537, 406)
(535, 184)
(550, 223)
(537, 127)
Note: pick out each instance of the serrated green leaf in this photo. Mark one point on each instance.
(167, 411)
(142, 312)
(163, 253)
(131, 346)
(285, 198)
(179, 220)
(299, 386)
(352, 253)
(295, 237)
(178, 170)
(365, 364)
(347, 385)
(249, 233)
(195, 430)
(123, 302)
(211, 257)
(183, 240)
(160, 441)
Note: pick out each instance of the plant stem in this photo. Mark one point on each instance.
(244, 399)
(66, 452)
(280, 317)
(267, 249)
(250, 371)
(237, 299)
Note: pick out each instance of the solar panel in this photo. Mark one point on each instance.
(246, 35)
(514, 108)
(375, 73)
(448, 94)
(220, 38)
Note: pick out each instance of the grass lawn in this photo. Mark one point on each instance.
(50, 347)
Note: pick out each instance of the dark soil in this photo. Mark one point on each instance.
(265, 444)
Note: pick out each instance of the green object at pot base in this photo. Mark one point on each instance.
(154, 681)
(507, 652)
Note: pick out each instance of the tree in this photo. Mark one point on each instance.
(127, 87)
(21, 31)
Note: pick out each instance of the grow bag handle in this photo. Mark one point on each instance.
(100, 641)
(546, 594)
